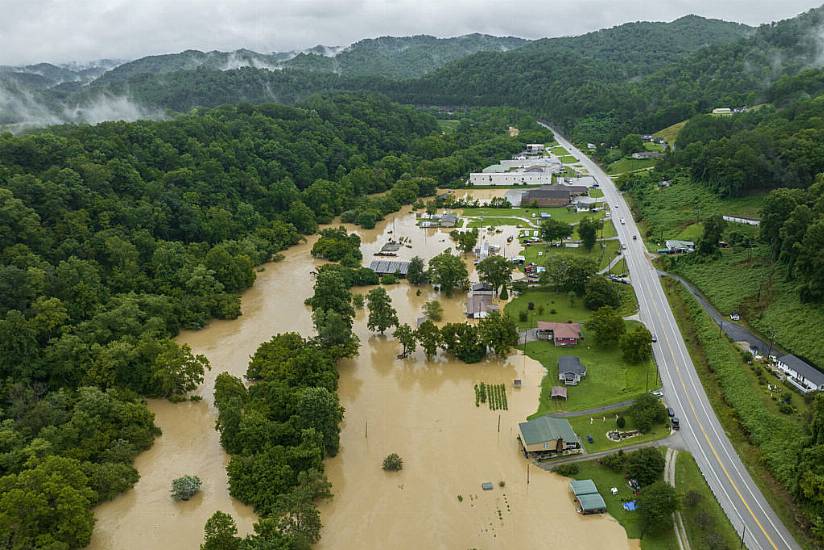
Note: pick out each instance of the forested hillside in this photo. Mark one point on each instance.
(387, 56)
(113, 237)
(591, 95)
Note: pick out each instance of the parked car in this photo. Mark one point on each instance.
(657, 393)
(654, 338)
(670, 412)
(623, 246)
(676, 424)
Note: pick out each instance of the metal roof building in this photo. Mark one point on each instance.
(389, 267)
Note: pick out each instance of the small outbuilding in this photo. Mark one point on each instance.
(559, 392)
(547, 435)
(591, 504)
(388, 267)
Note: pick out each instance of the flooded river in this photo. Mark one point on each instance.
(423, 411)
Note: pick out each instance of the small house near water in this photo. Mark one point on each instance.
(546, 436)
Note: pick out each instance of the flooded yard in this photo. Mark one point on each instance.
(423, 411)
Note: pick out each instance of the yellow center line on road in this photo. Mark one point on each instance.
(678, 371)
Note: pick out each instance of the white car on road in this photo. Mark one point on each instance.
(623, 221)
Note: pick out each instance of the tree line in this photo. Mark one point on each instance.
(114, 237)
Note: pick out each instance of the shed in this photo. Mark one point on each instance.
(580, 487)
(559, 392)
(591, 504)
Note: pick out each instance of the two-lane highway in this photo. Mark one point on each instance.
(703, 434)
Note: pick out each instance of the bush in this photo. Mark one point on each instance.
(615, 462)
(392, 463)
(621, 422)
(389, 279)
(568, 470)
(523, 316)
(184, 488)
(692, 499)
(357, 300)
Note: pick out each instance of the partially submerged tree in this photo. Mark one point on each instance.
(393, 463)
(448, 271)
(406, 337)
(184, 488)
(381, 313)
(496, 271)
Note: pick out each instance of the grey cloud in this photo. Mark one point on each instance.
(67, 30)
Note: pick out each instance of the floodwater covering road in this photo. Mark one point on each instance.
(423, 411)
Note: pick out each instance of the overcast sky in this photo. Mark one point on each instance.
(80, 30)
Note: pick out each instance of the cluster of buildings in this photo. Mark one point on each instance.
(438, 220)
(530, 167)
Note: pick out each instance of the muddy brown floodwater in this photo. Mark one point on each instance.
(423, 411)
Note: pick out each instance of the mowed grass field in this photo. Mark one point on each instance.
(598, 425)
(629, 165)
(670, 133)
(609, 378)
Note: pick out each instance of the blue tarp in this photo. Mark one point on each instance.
(630, 506)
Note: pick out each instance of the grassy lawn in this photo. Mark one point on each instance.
(603, 252)
(598, 428)
(559, 151)
(595, 193)
(651, 146)
(545, 303)
(609, 229)
(609, 378)
(629, 165)
(559, 213)
(496, 221)
(688, 478)
(567, 159)
(605, 479)
(670, 133)
(741, 405)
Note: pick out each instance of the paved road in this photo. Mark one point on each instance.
(734, 331)
(671, 441)
(704, 436)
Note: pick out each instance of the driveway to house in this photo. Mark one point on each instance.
(736, 332)
(701, 431)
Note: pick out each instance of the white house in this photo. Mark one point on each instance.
(739, 219)
(801, 374)
(680, 247)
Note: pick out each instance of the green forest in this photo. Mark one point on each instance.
(114, 237)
